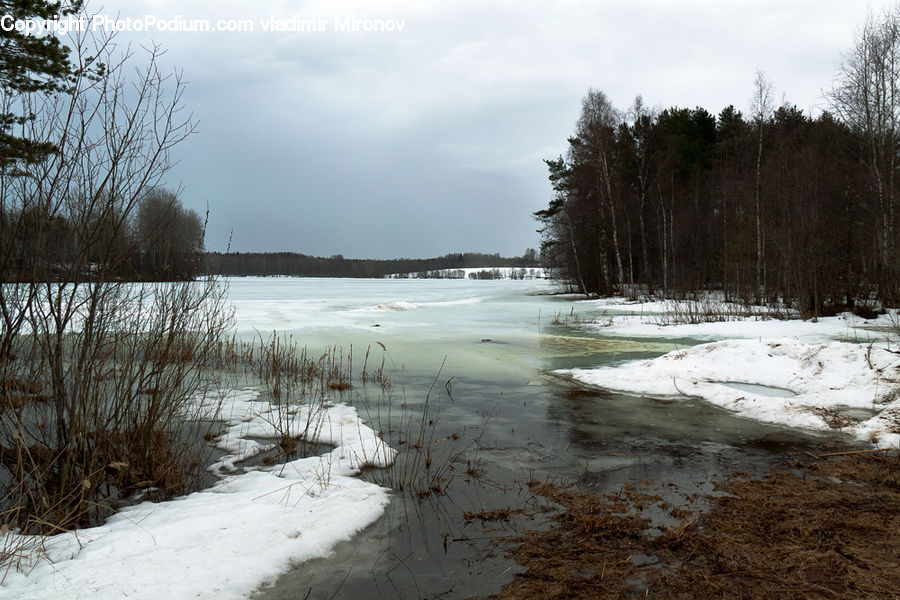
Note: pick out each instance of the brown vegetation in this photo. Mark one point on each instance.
(826, 529)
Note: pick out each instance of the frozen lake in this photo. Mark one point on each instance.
(498, 342)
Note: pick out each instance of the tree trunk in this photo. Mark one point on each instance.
(574, 249)
(759, 244)
(610, 207)
(645, 260)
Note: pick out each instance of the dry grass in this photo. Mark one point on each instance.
(485, 516)
(293, 380)
(829, 529)
(707, 310)
(427, 452)
(296, 380)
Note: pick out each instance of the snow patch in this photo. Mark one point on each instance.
(833, 385)
(654, 318)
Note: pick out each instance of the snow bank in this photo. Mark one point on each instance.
(654, 318)
(226, 541)
(843, 327)
(823, 386)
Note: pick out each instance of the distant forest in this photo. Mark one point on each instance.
(775, 205)
(97, 238)
(301, 265)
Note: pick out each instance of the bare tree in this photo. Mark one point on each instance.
(168, 237)
(761, 110)
(96, 373)
(596, 131)
(866, 96)
(558, 226)
(642, 124)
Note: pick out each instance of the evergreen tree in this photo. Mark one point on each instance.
(29, 64)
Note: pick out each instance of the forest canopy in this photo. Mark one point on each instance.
(769, 206)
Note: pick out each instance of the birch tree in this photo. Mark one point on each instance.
(596, 132)
(640, 131)
(866, 96)
(760, 110)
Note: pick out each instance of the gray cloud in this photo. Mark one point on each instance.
(430, 140)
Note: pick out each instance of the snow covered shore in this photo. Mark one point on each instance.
(788, 372)
(476, 273)
(226, 541)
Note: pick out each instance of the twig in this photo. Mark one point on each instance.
(853, 452)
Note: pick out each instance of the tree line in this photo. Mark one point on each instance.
(88, 236)
(775, 205)
(302, 265)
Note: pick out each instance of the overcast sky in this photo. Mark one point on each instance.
(430, 140)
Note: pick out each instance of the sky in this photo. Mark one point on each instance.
(430, 138)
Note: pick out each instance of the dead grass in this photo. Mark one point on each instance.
(832, 417)
(827, 529)
(485, 516)
(575, 321)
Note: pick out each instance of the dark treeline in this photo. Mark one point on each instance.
(301, 265)
(90, 237)
(773, 205)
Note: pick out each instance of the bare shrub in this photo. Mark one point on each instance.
(709, 310)
(97, 374)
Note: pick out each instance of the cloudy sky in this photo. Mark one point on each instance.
(430, 140)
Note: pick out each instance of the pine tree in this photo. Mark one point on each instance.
(29, 64)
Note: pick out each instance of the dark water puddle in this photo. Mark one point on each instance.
(420, 548)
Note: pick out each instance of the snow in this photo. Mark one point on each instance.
(655, 319)
(783, 380)
(398, 305)
(337, 308)
(226, 541)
